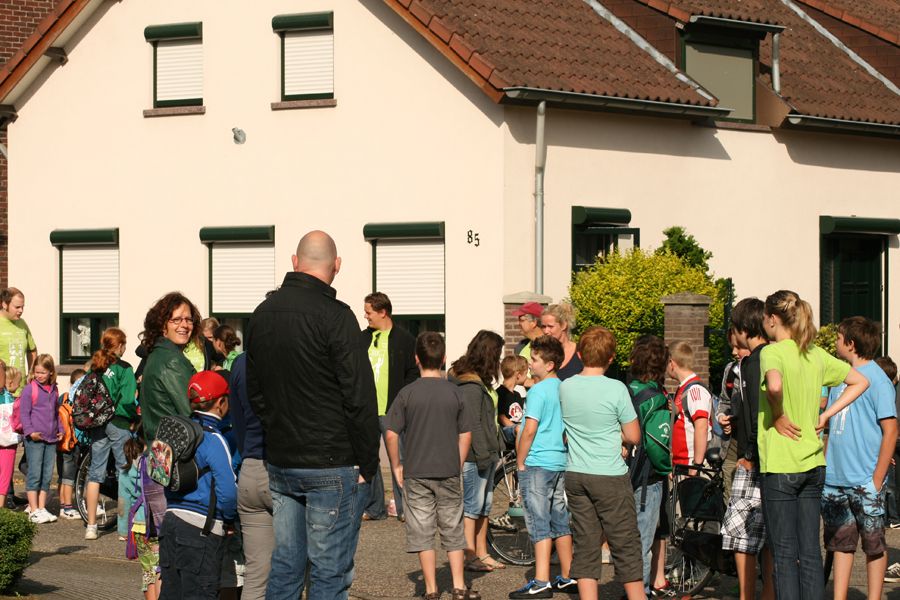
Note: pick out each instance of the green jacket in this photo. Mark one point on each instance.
(164, 386)
(119, 380)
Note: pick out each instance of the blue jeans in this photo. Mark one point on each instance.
(478, 490)
(544, 500)
(317, 515)
(375, 507)
(41, 458)
(647, 519)
(792, 508)
(103, 439)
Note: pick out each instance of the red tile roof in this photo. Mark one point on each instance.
(558, 45)
(817, 78)
(881, 18)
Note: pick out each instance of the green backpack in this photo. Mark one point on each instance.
(655, 420)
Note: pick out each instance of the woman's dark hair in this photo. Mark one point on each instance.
(160, 313)
(105, 356)
(648, 359)
(482, 357)
(135, 445)
(227, 335)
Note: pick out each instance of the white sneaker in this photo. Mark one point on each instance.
(69, 513)
(893, 573)
(39, 516)
(101, 512)
(27, 509)
(91, 532)
(51, 518)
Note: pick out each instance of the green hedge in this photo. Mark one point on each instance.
(16, 535)
(826, 339)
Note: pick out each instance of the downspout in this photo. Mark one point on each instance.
(776, 64)
(540, 158)
(4, 151)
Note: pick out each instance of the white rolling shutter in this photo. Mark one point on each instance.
(90, 279)
(309, 62)
(241, 276)
(179, 70)
(411, 273)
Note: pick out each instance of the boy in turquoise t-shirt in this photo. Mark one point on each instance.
(860, 447)
(541, 457)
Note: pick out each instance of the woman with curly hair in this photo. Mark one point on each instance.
(168, 327)
(475, 373)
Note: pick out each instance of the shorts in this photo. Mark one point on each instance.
(103, 440)
(67, 466)
(604, 504)
(478, 490)
(743, 529)
(851, 512)
(544, 500)
(234, 567)
(432, 506)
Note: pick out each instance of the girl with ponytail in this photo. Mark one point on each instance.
(118, 376)
(791, 454)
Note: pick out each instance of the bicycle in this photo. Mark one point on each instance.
(506, 532)
(108, 501)
(694, 554)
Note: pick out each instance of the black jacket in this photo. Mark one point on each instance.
(248, 432)
(402, 369)
(746, 406)
(309, 380)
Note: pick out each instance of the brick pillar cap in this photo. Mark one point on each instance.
(523, 297)
(686, 298)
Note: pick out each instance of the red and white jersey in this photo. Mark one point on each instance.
(698, 405)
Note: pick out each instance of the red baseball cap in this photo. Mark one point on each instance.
(209, 385)
(529, 308)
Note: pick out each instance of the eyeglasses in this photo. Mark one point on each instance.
(178, 320)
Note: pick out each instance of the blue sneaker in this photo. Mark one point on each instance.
(533, 590)
(567, 586)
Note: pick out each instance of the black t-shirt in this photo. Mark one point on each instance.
(433, 412)
(573, 367)
(509, 404)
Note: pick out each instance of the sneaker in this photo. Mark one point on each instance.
(122, 538)
(533, 590)
(101, 512)
(567, 586)
(606, 557)
(666, 591)
(893, 573)
(51, 518)
(69, 513)
(392, 509)
(38, 516)
(27, 509)
(91, 532)
(894, 525)
(503, 523)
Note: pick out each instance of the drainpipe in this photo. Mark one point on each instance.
(776, 64)
(4, 151)
(540, 158)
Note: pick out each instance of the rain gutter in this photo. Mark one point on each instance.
(578, 100)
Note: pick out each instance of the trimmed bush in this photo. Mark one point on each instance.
(826, 339)
(16, 535)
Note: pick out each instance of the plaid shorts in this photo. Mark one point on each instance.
(744, 530)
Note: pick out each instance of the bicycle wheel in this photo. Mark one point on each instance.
(506, 532)
(685, 573)
(107, 502)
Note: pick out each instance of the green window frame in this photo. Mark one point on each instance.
(596, 231)
(415, 323)
(285, 25)
(710, 39)
(94, 323)
(155, 34)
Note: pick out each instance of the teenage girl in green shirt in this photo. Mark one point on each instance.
(791, 454)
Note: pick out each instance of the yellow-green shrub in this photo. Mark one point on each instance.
(826, 339)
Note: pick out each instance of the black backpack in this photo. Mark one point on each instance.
(92, 404)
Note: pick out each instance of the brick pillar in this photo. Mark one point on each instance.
(511, 333)
(686, 315)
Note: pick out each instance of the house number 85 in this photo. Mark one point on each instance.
(472, 238)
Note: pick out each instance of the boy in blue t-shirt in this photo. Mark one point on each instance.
(860, 447)
(541, 457)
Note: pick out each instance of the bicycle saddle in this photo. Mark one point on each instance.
(715, 457)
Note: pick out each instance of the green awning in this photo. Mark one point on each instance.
(323, 20)
(63, 237)
(584, 215)
(876, 226)
(174, 31)
(426, 229)
(264, 233)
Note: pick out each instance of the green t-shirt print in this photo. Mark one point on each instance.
(378, 356)
(803, 374)
(15, 343)
(194, 354)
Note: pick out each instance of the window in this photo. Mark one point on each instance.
(408, 266)
(177, 64)
(307, 55)
(597, 231)
(89, 289)
(241, 271)
(728, 72)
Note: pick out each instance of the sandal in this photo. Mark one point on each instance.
(434, 596)
(464, 594)
(477, 568)
(494, 564)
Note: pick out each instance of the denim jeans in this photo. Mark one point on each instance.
(647, 518)
(478, 490)
(375, 507)
(41, 458)
(792, 507)
(544, 500)
(317, 515)
(891, 498)
(103, 439)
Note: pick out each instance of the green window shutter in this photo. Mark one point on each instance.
(264, 233)
(426, 229)
(59, 237)
(323, 20)
(173, 31)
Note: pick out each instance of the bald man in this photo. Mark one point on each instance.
(310, 383)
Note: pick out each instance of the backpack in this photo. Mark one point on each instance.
(92, 404)
(67, 441)
(15, 420)
(171, 460)
(718, 435)
(652, 452)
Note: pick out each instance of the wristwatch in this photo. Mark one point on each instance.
(749, 455)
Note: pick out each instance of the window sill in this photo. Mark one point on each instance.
(68, 369)
(175, 110)
(737, 126)
(291, 104)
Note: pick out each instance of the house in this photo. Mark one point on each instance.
(189, 145)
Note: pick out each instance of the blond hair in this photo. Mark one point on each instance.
(563, 313)
(46, 361)
(683, 355)
(512, 364)
(795, 314)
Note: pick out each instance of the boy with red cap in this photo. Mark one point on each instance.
(191, 562)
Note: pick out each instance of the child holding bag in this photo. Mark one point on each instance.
(142, 542)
